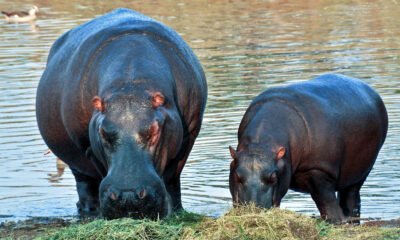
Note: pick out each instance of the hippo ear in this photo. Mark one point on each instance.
(233, 165)
(233, 152)
(280, 153)
(158, 99)
(98, 104)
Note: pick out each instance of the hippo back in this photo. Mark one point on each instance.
(90, 36)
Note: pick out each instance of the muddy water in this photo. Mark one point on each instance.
(244, 48)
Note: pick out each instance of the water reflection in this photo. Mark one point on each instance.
(245, 47)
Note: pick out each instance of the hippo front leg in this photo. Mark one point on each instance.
(88, 192)
(173, 173)
(174, 189)
(322, 189)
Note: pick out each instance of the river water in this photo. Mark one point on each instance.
(245, 48)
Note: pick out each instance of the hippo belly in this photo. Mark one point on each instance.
(121, 101)
(320, 137)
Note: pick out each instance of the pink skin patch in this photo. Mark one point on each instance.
(158, 99)
(280, 153)
(113, 197)
(97, 104)
(154, 133)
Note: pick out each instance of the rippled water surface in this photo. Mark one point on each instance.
(244, 48)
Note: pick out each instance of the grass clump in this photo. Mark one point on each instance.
(253, 223)
(363, 232)
(126, 228)
(119, 229)
(240, 223)
(246, 222)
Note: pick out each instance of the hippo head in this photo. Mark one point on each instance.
(128, 136)
(258, 176)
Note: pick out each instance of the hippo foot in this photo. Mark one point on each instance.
(334, 216)
(337, 221)
(88, 193)
(355, 221)
(88, 208)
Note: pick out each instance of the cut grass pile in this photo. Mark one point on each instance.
(254, 223)
(239, 223)
(172, 228)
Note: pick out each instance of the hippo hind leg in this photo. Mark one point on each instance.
(350, 202)
(88, 192)
(322, 189)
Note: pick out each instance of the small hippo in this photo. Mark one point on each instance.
(121, 102)
(320, 137)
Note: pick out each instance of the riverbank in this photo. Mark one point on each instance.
(241, 223)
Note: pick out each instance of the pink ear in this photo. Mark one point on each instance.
(233, 164)
(233, 152)
(98, 104)
(158, 99)
(154, 133)
(280, 153)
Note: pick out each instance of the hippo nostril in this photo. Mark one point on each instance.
(142, 194)
(113, 196)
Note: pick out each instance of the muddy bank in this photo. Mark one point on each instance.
(31, 228)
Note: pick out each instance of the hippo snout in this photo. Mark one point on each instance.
(261, 197)
(139, 194)
(138, 202)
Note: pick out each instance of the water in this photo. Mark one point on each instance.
(245, 48)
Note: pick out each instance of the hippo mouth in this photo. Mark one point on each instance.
(155, 208)
(136, 213)
(151, 210)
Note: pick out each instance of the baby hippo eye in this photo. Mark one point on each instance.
(270, 179)
(102, 133)
(239, 179)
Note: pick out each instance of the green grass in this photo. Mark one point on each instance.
(239, 223)
(363, 232)
(171, 228)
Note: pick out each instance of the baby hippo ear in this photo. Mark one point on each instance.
(233, 152)
(98, 104)
(158, 99)
(280, 153)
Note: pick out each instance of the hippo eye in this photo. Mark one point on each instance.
(107, 137)
(144, 137)
(270, 179)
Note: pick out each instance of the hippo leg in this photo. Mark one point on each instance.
(173, 184)
(350, 202)
(88, 192)
(174, 189)
(322, 189)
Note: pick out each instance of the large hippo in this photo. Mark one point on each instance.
(320, 137)
(121, 102)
